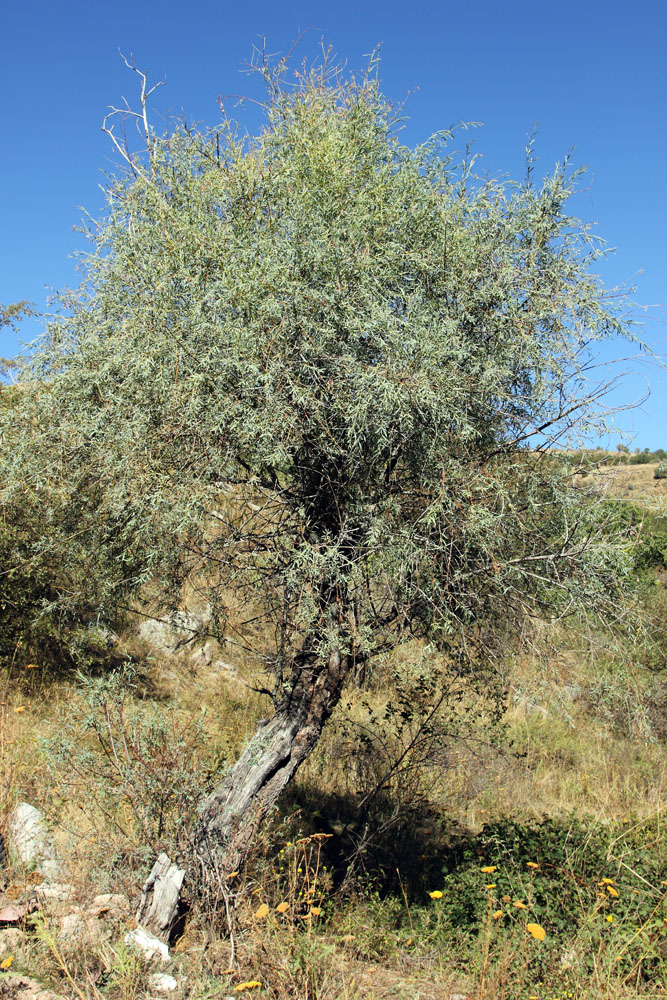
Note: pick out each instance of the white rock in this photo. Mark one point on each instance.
(150, 946)
(110, 902)
(227, 668)
(203, 655)
(10, 940)
(162, 983)
(57, 891)
(30, 839)
(169, 634)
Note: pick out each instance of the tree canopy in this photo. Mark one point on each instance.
(324, 372)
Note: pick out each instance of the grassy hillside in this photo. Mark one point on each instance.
(425, 850)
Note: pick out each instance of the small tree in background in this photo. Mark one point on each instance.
(324, 372)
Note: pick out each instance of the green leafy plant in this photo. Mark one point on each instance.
(134, 770)
(325, 372)
(598, 892)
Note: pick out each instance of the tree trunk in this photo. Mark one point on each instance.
(231, 814)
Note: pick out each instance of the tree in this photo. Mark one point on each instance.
(327, 373)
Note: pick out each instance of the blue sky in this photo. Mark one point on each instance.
(593, 75)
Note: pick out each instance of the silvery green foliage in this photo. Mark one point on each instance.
(322, 370)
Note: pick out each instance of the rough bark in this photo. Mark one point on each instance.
(231, 814)
(159, 906)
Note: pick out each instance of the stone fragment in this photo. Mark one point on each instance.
(226, 668)
(58, 892)
(29, 838)
(170, 634)
(26, 988)
(110, 904)
(162, 983)
(11, 939)
(151, 947)
(12, 913)
(203, 655)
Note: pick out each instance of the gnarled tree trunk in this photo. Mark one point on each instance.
(231, 814)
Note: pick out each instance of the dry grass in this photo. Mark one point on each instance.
(630, 482)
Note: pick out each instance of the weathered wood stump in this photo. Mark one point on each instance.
(159, 907)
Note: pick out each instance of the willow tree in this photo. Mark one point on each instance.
(322, 372)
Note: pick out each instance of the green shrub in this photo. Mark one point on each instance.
(661, 471)
(135, 771)
(568, 877)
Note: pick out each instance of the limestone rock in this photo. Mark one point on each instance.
(169, 635)
(25, 988)
(203, 655)
(11, 939)
(29, 838)
(151, 947)
(110, 904)
(56, 892)
(162, 983)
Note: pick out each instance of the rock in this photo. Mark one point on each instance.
(29, 838)
(25, 988)
(170, 634)
(572, 692)
(11, 939)
(12, 913)
(203, 655)
(58, 892)
(224, 667)
(72, 924)
(162, 983)
(110, 904)
(151, 947)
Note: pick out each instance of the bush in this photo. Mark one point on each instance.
(595, 889)
(661, 471)
(135, 771)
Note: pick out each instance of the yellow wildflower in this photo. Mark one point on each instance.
(497, 914)
(492, 885)
(519, 905)
(531, 864)
(316, 910)
(282, 907)
(537, 931)
(488, 869)
(261, 912)
(436, 894)
(609, 918)
(7, 962)
(250, 985)
(612, 891)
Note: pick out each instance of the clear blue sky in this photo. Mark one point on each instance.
(592, 73)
